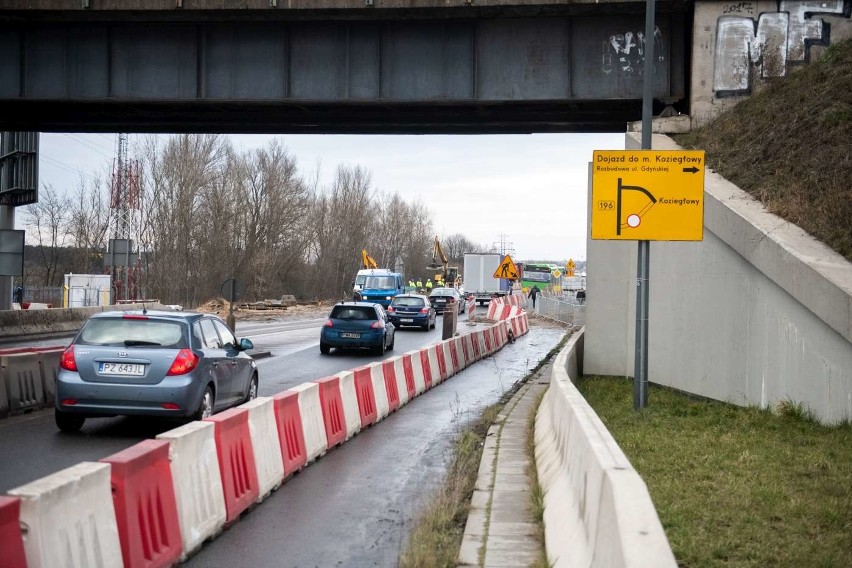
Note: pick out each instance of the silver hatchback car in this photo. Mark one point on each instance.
(153, 363)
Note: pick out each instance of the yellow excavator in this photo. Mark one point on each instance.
(368, 261)
(448, 273)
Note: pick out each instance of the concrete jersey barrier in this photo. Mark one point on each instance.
(598, 512)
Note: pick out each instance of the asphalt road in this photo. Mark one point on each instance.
(355, 506)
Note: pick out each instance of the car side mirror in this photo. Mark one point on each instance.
(246, 344)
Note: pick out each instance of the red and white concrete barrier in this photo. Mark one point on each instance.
(267, 448)
(313, 427)
(291, 435)
(331, 400)
(12, 553)
(70, 518)
(237, 466)
(145, 506)
(350, 403)
(197, 483)
(411, 364)
(394, 369)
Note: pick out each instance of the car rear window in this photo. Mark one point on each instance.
(133, 333)
(354, 313)
(408, 302)
(441, 293)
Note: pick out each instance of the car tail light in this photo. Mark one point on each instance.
(328, 323)
(184, 362)
(377, 325)
(424, 310)
(67, 360)
(134, 317)
(69, 401)
(170, 406)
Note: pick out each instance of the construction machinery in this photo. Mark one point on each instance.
(448, 274)
(368, 261)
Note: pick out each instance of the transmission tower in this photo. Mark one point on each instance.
(504, 245)
(125, 201)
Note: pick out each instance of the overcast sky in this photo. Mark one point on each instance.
(530, 188)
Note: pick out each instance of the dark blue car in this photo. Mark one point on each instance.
(412, 309)
(355, 325)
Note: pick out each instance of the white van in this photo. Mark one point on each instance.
(358, 284)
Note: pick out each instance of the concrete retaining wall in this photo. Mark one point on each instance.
(598, 512)
(14, 323)
(757, 313)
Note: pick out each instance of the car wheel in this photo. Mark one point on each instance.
(68, 422)
(380, 350)
(252, 390)
(393, 340)
(324, 348)
(205, 406)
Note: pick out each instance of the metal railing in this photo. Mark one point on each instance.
(565, 311)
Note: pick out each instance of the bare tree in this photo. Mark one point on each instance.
(88, 224)
(48, 221)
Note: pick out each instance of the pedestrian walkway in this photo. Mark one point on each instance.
(500, 530)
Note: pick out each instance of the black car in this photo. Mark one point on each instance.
(441, 298)
(412, 309)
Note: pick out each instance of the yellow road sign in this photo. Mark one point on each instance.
(556, 273)
(570, 264)
(649, 195)
(507, 269)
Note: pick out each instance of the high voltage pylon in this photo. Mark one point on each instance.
(125, 201)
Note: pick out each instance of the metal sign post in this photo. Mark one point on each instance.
(643, 268)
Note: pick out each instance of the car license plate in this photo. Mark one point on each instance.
(407, 320)
(127, 369)
(351, 335)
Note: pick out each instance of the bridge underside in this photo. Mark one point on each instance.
(193, 71)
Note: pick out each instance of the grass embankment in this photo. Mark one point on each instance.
(736, 487)
(789, 147)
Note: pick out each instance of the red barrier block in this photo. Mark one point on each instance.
(489, 345)
(442, 362)
(145, 508)
(11, 542)
(366, 396)
(291, 436)
(454, 356)
(427, 368)
(474, 341)
(236, 461)
(331, 401)
(389, 374)
(409, 376)
(467, 348)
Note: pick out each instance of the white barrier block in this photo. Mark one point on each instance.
(310, 409)
(264, 440)
(380, 391)
(197, 482)
(350, 403)
(399, 377)
(417, 369)
(479, 336)
(70, 519)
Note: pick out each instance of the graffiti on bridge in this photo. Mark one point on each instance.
(625, 52)
(772, 43)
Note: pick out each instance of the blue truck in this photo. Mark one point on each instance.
(381, 288)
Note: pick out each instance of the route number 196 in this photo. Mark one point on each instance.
(606, 205)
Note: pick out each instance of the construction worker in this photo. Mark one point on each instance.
(419, 285)
(428, 285)
(411, 284)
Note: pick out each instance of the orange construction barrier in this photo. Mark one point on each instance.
(489, 341)
(236, 461)
(145, 508)
(409, 376)
(389, 374)
(366, 396)
(331, 401)
(288, 419)
(451, 346)
(11, 542)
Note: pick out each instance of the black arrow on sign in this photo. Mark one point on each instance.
(693, 170)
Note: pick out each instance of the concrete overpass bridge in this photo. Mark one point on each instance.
(350, 66)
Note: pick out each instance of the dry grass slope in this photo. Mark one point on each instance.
(790, 146)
